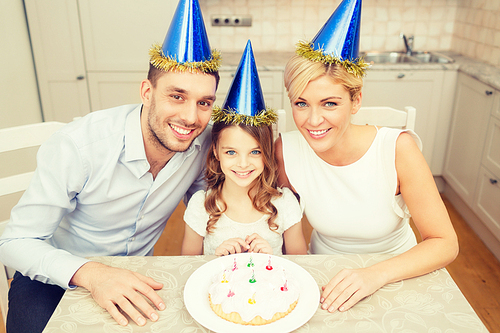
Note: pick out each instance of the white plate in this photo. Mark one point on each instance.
(198, 306)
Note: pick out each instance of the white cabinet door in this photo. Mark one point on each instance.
(117, 34)
(110, 89)
(487, 203)
(473, 105)
(491, 153)
(54, 28)
(420, 89)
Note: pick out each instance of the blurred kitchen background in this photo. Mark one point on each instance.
(469, 27)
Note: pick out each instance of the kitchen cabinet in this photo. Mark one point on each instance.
(92, 54)
(54, 28)
(471, 113)
(487, 200)
(429, 91)
(472, 167)
(110, 89)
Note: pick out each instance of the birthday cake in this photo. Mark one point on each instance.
(250, 293)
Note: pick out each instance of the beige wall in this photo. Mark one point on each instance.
(19, 102)
(477, 30)
(279, 24)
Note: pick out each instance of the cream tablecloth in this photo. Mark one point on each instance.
(430, 303)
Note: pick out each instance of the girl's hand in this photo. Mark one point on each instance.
(258, 244)
(348, 287)
(232, 246)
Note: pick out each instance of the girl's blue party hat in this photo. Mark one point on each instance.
(244, 102)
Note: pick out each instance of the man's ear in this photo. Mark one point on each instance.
(146, 92)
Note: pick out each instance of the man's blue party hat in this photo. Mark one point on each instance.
(244, 101)
(186, 45)
(337, 42)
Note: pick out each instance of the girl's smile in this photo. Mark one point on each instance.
(240, 156)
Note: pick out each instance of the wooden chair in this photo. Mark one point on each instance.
(372, 115)
(18, 147)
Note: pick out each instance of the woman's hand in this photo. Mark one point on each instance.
(258, 244)
(348, 287)
(232, 246)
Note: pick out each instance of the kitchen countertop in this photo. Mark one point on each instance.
(271, 61)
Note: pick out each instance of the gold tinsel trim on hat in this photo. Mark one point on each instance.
(357, 67)
(166, 63)
(265, 117)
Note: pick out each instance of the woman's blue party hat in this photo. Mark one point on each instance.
(186, 45)
(337, 42)
(244, 101)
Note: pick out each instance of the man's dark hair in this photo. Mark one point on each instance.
(155, 73)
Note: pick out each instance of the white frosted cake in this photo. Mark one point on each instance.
(253, 294)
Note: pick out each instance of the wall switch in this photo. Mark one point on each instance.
(232, 20)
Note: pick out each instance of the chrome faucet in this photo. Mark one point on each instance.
(408, 43)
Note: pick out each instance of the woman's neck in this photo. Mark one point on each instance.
(353, 145)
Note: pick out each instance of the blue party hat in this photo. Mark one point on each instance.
(337, 42)
(186, 45)
(244, 102)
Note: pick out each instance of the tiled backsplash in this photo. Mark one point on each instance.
(470, 27)
(477, 30)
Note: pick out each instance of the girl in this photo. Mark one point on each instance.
(358, 184)
(243, 210)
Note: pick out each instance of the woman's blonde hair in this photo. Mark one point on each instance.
(261, 191)
(299, 71)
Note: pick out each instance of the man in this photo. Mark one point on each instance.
(107, 183)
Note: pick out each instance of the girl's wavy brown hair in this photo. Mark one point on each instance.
(264, 187)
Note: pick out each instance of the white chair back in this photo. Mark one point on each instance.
(369, 115)
(386, 117)
(18, 147)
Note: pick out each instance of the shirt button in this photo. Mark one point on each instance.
(132, 239)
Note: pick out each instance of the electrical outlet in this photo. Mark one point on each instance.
(232, 20)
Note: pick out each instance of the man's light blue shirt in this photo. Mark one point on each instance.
(92, 195)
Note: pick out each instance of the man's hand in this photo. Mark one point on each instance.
(117, 287)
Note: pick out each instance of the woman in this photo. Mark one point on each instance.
(358, 184)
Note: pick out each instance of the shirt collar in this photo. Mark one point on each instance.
(134, 141)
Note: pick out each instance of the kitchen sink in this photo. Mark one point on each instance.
(388, 57)
(433, 57)
(402, 57)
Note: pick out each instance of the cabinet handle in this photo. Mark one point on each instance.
(493, 181)
(489, 92)
(80, 77)
(401, 75)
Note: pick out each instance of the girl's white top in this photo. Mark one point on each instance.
(352, 208)
(289, 213)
